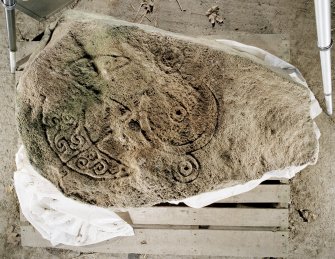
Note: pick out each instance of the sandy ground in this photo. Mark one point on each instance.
(312, 214)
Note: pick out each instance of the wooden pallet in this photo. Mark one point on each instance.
(250, 224)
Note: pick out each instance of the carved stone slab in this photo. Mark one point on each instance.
(117, 114)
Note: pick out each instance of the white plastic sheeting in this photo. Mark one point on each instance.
(58, 218)
(66, 221)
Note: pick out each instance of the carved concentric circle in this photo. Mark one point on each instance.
(179, 119)
(186, 170)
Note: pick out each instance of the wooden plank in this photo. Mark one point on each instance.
(276, 193)
(184, 216)
(181, 242)
(248, 217)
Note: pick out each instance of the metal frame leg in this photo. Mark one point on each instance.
(9, 6)
(323, 26)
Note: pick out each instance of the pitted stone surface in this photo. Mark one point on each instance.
(120, 115)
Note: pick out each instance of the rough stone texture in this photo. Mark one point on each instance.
(117, 115)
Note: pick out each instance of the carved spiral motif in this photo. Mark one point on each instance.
(94, 163)
(77, 141)
(61, 144)
(51, 121)
(100, 167)
(82, 163)
(92, 155)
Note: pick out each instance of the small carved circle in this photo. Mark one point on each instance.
(179, 114)
(92, 155)
(186, 170)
